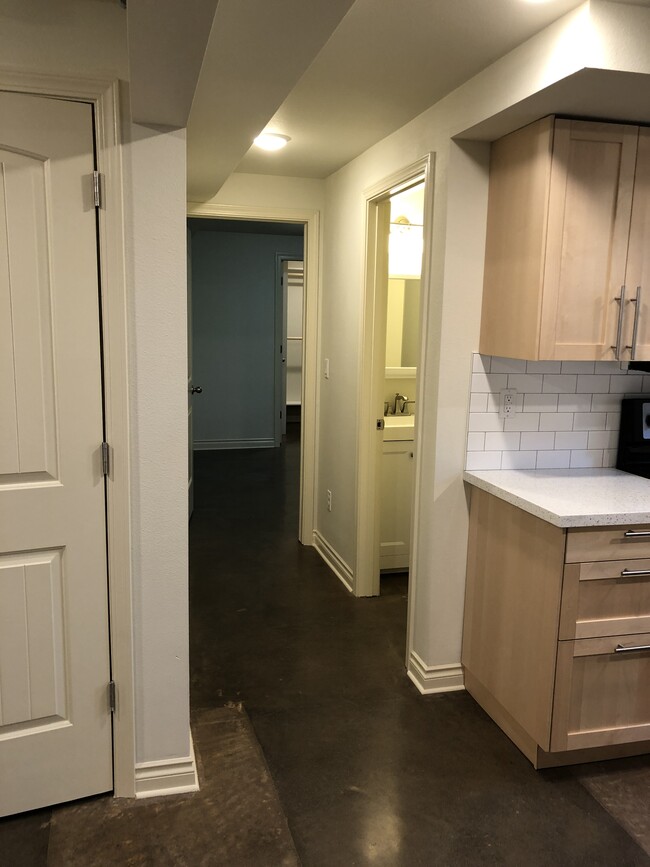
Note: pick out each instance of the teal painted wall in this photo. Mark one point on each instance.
(233, 319)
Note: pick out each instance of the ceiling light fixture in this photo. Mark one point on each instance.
(271, 141)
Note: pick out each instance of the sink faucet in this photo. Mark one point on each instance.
(397, 409)
(405, 410)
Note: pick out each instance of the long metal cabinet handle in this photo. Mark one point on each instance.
(635, 328)
(631, 573)
(630, 534)
(619, 330)
(631, 648)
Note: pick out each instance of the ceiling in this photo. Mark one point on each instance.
(358, 74)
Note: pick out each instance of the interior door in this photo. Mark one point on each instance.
(55, 722)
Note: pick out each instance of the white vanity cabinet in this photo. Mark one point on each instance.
(396, 496)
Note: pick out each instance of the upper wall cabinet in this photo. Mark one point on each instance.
(568, 243)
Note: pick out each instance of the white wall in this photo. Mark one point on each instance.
(87, 38)
(156, 223)
(271, 191)
(453, 318)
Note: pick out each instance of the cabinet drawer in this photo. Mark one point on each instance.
(601, 694)
(607, 598)
(610, 543)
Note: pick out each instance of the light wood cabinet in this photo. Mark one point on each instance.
(568, 226)
(556, 642)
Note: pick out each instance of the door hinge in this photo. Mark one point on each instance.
(112, 697)
(106, 459)
(98, 185)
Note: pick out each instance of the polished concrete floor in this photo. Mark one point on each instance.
(314, 748)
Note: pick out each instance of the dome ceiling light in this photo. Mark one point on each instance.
(271, 141)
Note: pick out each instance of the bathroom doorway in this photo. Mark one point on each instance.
(241, 411)
(398, 212)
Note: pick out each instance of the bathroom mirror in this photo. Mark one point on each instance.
(402, 327)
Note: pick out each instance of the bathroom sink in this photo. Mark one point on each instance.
(398, 427)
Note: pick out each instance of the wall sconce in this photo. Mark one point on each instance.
(405, 243)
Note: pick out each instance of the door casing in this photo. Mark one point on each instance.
(104, 98)
(308, 430)
(373, 349)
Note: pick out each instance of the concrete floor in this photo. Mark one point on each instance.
(314, 748)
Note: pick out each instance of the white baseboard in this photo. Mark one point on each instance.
(336, 563)
(209, 445)
(435, 678)
(167, 777)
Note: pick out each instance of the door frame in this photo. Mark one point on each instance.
(373, 350)
(104, 97)
(311, 311)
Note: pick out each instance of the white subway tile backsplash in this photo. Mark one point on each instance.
(589, 421)
(518, 460)
(556, 421)
(574, 402)
(631, 383)
(481, 363)
(508, 365)
(553, 460)
(540, 402)
(593, 383)
(485, 421)
(575, 439)
(527, 382)
(605, 402)
(501, 441)
(537, 441)
(489, 382)
(522, 421)
(587, 458)
(483, 461)
(578, 366)
(543, 367)
(602, 439)
(612, 367)
(475, 441)
(478, 402)
(613, 421)
(567, 413)
(563, 383)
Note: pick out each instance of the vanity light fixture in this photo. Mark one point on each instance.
(271, 141)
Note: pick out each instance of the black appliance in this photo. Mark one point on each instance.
(634, 437)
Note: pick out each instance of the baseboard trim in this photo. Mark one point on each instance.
(336, 563)
(210, 445)
(435, 678)
(167, 777)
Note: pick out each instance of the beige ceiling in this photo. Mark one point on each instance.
(336, 82)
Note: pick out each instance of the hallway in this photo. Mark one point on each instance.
(368, 771)
(313, 747)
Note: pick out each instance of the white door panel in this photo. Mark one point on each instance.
(55, 726)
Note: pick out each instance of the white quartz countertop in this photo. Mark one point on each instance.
(571, 498)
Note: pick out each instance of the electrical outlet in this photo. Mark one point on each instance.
(326, 368)
(508, 402)
(329, 501)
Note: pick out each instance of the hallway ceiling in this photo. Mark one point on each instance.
(338, 77)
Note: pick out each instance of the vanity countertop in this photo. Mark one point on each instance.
(571, 498)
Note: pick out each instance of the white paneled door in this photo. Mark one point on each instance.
(55, 722)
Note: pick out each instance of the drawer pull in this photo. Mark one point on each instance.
(630, 573)
(631, 648)
(632, 533)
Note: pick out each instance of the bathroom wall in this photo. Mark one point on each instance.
(234, 342)
(568, 413)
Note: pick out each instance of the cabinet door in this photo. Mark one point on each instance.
(588, 229)
(396, 495)
(638, 262)
(601, 692)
